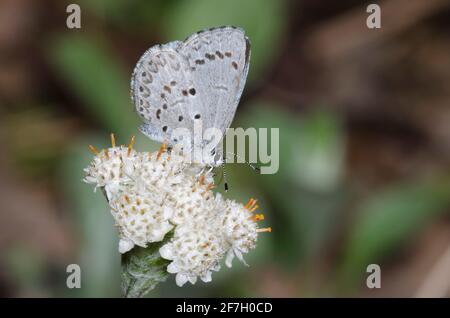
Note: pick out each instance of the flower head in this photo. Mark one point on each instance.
(151, 194)
(194, 252)
(112, 168)
(141, 219)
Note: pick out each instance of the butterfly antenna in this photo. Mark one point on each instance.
(255, 168)
(225, 182)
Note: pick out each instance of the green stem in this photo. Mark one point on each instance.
(143, 269)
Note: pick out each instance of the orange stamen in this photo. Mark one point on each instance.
(113, 140)
(93, 150)
(254, 208)
(210, 186)
(257, 217)
(161, 150)
(201, 180)
(130, 145)
(105, 151)
(127, 199)
(266, 229)
(248, 203)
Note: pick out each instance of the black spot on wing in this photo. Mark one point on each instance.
(219, 54)
(210, 56)
(247, 49)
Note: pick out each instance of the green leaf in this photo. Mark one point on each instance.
(93, 225)
(263, 22)
(137, 17)
(389, 218)
(95, 76)
(143, 269)
(307, 190)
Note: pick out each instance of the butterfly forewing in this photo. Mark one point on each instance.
(201, 78)
(219, 68)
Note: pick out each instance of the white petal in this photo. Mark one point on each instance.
(166, 226)
(110, 190)
(192, 279)
(157, 235)
(182, 230)
(177, 179)
(128, 167)
(166, 251)
(216, 267)
(239, 256)
(167, 212)
(181, 279)
(229, 258)
(207, 277)
(173, 268)
(125, 245)
(90, 179)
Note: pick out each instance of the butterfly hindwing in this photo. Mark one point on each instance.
(158, 91)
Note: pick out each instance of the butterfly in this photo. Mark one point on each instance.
(201, 78)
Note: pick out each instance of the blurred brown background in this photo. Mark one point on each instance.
(364, 142)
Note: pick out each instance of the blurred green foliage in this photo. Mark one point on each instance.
(263, 21)
(305, 202)
(388, 220)
(98, 255)
(306, 192)
(97, 79)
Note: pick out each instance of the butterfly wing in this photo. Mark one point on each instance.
(159, 87)
(201, 78)
(218, 60)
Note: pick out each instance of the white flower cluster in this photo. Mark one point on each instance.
(151, 194)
